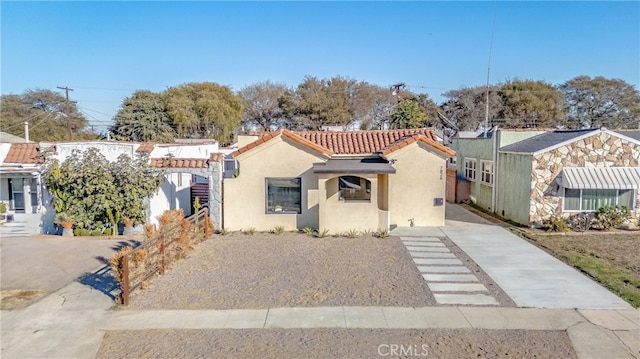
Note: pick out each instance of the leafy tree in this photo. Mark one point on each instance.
(594, 102)
(408, 114)
(467, 107)
(89, 189)
(46, 112)
(318, 102)
(528, 103)
(261, 106)
(204, 110)
(143, 117)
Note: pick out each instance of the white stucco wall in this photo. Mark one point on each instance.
(172, 194)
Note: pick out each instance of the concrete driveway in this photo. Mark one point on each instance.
(48, 263)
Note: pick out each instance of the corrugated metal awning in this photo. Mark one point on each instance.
(601, 177)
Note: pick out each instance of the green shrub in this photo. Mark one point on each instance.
(96, 232)
(251, 231)
(557, 224)
(352, 233)
(81, 232)
(581, 221)
(222, 232)
(322, 234)
(382, 233)
(308, 230)
(3, 208)
(278, 230)
(612, 216)
(107, 232)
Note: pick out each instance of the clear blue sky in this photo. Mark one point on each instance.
(107, 50)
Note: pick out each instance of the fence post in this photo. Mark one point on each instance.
(162, 254)
(206, 223)
(125, 279)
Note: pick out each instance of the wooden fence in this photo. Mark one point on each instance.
(155, 254)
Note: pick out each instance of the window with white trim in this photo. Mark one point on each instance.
(486, 174)
(590, 200)
(470, 168)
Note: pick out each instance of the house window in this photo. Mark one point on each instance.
(354, 187)
(470, 168)
(487, 172)
(283, 195)
(590, 200)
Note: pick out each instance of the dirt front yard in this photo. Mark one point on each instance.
(611, 258)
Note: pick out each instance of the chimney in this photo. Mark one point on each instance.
(26, 131)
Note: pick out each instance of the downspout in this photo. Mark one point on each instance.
(494, 191)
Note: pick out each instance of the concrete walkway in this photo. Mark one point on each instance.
(530, 276)
(71, 323)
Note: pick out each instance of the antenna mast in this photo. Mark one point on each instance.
(486, 112)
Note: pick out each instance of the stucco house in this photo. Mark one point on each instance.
(529, 176)
(20, 182)
(338, 181)
(190, 169)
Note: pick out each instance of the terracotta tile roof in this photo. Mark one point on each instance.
(146, 147)
(179, 162)
(291, 135)
(417, 138)
(26, 153)
(362, 142)
(216, 157)
(354, 142)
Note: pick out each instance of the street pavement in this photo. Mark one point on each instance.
(71, 322)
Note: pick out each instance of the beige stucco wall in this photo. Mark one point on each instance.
(244, 196)
(420, 177)
(339, 216)
(599, 150)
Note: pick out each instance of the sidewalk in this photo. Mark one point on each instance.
(71, 323)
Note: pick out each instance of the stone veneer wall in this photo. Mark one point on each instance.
(599, 150)
(215, 193)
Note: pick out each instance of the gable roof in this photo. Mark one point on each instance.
(354, 142)
(635, 134)
(362, 142)
(547, 140)
(25, 153)
(286, 133)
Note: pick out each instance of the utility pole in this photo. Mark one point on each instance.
(66, 111)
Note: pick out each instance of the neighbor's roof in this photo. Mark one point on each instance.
(179, 162)
(145, 147)
(546, 140)
(635, 134)
(25, 153)
(354, 142)
(9, 138)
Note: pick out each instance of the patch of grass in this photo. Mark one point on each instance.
(250, 231)
(624, 283)
(308, 230)
(352, 233)
(222, 232)
(277, 230)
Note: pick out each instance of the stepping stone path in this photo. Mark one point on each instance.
(450, 281)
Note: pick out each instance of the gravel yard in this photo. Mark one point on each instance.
(336, 343)
(241, 271)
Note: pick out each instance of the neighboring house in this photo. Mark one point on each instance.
(528, 177)
(339, 181)
(476, 156)
(189, 169)
(20, 181)
(564, 172)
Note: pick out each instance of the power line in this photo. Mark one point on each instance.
(69, 132)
